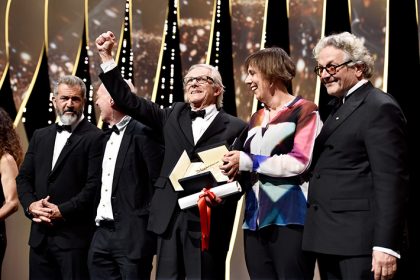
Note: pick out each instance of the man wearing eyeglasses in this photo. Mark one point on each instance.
(191, 126)
(359, 181)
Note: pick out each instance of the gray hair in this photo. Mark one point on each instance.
(217, 78)
(71, 81)
(352, 46)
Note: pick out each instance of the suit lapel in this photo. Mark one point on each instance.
(48, 143)
(72, 142)
(122, 152)
(186, 127)
(339, 117)
(216, 126)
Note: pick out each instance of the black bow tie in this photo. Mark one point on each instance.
(199, 113)
(60, 128)
(114, 128)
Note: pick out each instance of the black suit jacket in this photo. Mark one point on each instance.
(175, 125)
(136, 169)
(71, 184)
(360, 177)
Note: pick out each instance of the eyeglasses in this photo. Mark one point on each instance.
(330, 68)
(201, 80)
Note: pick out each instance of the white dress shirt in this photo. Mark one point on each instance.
(61, 139)
(199, 125)
(104, 210)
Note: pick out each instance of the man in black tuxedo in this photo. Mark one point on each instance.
(359, 181)
(56, 186)
(121, 247)
(179, 252)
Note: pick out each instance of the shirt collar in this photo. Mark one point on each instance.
(210, 110)
(123, 122)
(356, 86)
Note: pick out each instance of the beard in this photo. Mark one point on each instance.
(67, 119)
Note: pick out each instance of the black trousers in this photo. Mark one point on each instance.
(179, 253)
(274, 252)
(106, 260)
(49, 261)
(345, 267)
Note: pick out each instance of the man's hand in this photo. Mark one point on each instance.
(55, 212)
(384, 265)
(230, 165)
(40, 213)
(212, 200)
(105, 43)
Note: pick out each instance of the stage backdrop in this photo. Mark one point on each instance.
(159, 40)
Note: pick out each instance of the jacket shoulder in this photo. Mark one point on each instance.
(233, 119)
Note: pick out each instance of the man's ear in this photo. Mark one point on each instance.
(360, 69)
(218, 91)
(113, 105)
(54, 101)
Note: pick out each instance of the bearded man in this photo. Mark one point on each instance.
(56, 186)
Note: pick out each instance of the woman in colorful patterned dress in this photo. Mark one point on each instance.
(277, 151)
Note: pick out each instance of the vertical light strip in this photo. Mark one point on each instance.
(125, 52)
(3, 77)
(86, 63)
(6, 31)
(121, 39)
(50, 103)
(87, 21)
(159, 65)
(170, 35)
(131, 54)
(46, 26)
(236, 230)
(78, 54)
(215, 19)
(417, 3)
(370, 22)
(27, 94)
(17, 124)
(6, 45)
(386, 55)
(247, 27)
(175, 26)
(262, 45)
(148, 22)
(195, 25)
(305, 18)
(318, 81)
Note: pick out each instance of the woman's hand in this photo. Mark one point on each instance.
(230, 165)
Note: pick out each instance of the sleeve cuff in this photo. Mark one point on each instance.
(28, 213)
(245, 162)
(388, 251)
(108, 65)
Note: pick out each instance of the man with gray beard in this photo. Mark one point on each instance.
(56, 186)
